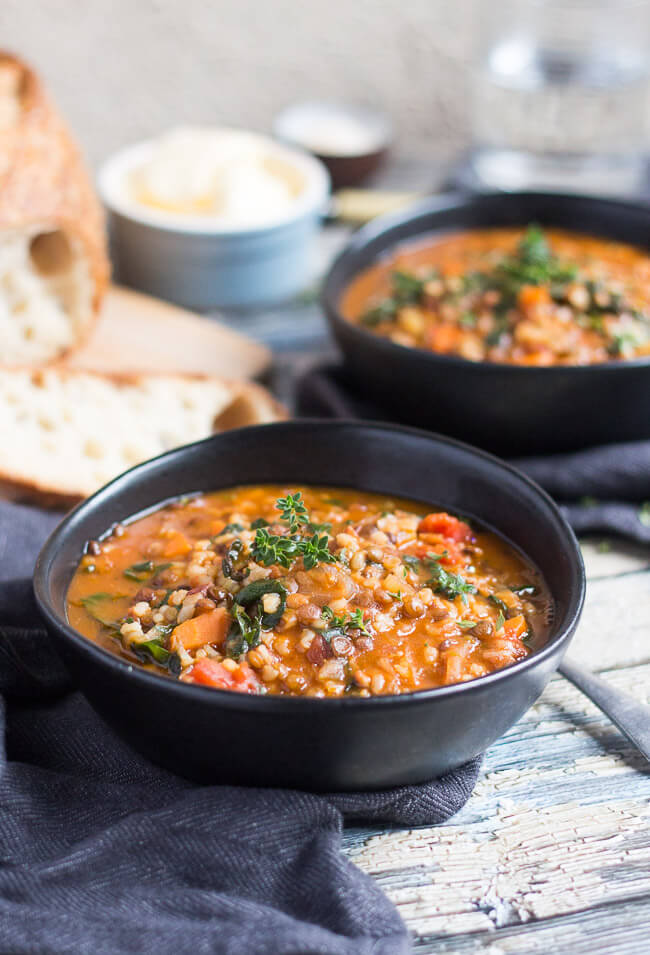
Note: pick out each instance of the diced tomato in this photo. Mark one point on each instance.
(246, 679)
(442, 523)
(516, 627)
(198, 631)
(450, 553)
(212, 673)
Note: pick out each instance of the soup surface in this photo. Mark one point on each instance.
(309, 591)
(525, 297)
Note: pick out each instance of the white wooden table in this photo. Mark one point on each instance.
(552, 852)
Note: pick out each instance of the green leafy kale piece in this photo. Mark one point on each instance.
(250, 597)
(234, 564)
(144, 570)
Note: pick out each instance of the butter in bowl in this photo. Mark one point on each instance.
(211, 216)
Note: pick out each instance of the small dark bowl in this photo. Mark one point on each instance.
(508, 409)
(294, 123)
(352, 170)
(318, 744)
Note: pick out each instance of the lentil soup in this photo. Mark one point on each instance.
(512, 296)
(309, 592)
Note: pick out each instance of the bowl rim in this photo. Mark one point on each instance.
(112, 172)
(278, 704)
(448, 201)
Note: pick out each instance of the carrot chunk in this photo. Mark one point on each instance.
(444, 338)
(532, 296)
(212, 673)
(516, 627)
(442, 523)
(198, 631)
(175, 544)
(542, 357)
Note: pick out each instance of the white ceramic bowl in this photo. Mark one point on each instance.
(193, 261)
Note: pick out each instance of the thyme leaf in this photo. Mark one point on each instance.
(445, 583)
(283, 550)
(293, 511)
(269, 549)
(352, 621)
(315, 550)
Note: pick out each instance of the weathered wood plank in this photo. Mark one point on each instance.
(558, 823)
(614, 630)
(607, 929)
(529, 863)
(606, 558)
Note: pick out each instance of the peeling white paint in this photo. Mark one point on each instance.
(558, 823)
(540, 862)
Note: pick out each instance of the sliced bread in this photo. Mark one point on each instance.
(53, 258)
(64, 433)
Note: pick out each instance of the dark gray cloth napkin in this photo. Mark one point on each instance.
(604, 490)
(103, 853)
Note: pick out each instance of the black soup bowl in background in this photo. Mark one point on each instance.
(509, 409)
(310, 743)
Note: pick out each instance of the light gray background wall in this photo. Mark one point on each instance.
(121, 70)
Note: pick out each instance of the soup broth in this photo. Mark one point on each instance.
(309, 591)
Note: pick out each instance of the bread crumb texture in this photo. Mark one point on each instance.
(45, 300)
(69, 432)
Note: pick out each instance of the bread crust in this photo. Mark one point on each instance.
(44, 180)
(250, 404)
(33, 493)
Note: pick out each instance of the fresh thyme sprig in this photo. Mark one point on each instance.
(293, 511)
(407, 289)
(315, 550)
(533, 264)
(269, 549)
(352, 621)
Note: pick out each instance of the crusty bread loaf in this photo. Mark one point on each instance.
(64, 433)
(53, 259)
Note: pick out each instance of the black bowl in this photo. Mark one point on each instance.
(508, 409)
(318, 744)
